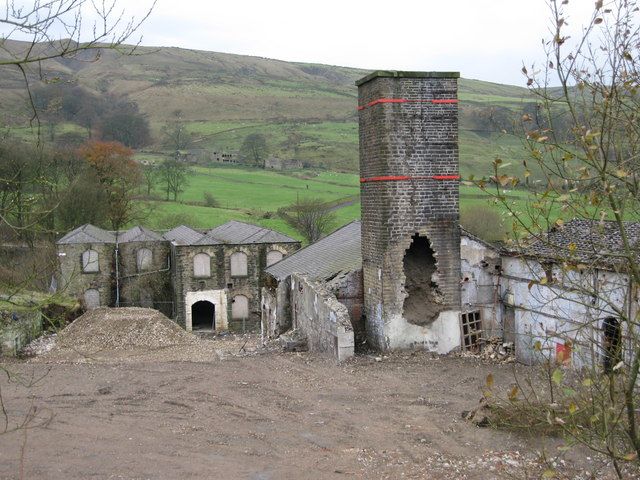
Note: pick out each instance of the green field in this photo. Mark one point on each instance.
(251, 195)
(254, 196)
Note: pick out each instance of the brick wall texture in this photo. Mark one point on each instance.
(416, 138)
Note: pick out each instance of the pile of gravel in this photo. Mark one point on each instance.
(122, 329)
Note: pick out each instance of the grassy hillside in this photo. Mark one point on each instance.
(223, 97)
(254, 196)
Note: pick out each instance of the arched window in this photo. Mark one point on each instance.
(202, 265)
(143, 259)
(239, 264)
(273, 256)
(90, 261)
(91, 299)
(240, 307)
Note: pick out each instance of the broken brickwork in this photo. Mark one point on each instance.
(409, 190)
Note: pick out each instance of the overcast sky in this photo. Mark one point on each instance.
(488, 40)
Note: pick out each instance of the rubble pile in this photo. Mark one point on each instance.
(493, 349)
(122, 329)
(40, 345)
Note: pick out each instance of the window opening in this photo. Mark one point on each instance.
(471, 323)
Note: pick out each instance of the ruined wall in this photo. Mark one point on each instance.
(276, 308)
(74, 282)
(17, 332)
(349, 291)
(480, 283)
(556, 314)
(269, 317)
(151, 286)
(323, 320)
(409, 169)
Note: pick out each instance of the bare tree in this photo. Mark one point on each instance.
(173, 174)
(176, 136)
(585, 140)
(312, 217)
(254, 149)
(150, 174)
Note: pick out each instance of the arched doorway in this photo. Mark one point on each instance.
(203, 316)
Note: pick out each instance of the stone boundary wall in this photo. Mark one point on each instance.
(15, 335)
(319, 316)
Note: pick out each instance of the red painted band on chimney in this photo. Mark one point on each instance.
(405, 100)
(396, 178)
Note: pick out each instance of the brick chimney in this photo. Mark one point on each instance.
(409, 188)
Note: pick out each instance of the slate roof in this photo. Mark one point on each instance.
(233, 232)
(238, 233)
(596, 242)
(139, 234)
(183, 235)
(338, 252)
(207, 239)
(87, 234)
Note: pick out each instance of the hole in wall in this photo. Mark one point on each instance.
(424, 301)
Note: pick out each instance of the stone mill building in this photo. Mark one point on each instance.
(208, 280)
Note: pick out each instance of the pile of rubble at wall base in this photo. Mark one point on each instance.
(492, 350)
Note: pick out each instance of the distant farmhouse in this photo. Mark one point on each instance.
(274, 163)
(203, 280)
(203, 156)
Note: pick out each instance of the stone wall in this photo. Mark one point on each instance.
(17, 332)
(556, 314)
(323, 320)
(349, 291)
(481, 266)
(183, 280)
(72, 281)
(150, 287)
(403, 146)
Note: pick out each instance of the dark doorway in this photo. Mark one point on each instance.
(611, 343)
(424, 300)
(203, 316)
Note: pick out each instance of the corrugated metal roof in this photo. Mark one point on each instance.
(239, 233)
(337, 252)
(139, 234)
(87, 234)
(183, 235)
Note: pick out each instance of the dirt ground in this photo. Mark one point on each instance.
(248, 413)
